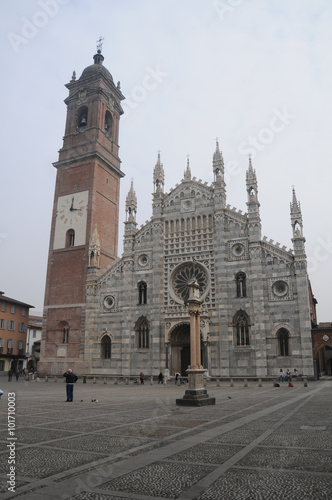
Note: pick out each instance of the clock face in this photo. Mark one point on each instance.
(71, 215)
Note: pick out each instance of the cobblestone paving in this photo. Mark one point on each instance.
(255, 444)
(206, 453)
(160, 479)
(273, 485)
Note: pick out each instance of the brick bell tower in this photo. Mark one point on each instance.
(86, 203)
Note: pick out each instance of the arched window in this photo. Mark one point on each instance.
(241, 328)
(241, 285)
(142, 292)
(70, 238)
(142, 333)
(82, 117)
(283, 342)
(106, 347)
(108, 123)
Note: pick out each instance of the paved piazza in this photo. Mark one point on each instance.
(256, 443)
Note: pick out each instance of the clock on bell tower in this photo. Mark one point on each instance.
(86, 199)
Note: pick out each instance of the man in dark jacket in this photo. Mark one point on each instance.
(70, 380)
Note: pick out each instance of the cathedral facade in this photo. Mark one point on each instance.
(109, 315)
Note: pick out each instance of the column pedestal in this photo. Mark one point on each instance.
(196, 395)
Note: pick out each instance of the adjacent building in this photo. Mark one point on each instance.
(14, 317)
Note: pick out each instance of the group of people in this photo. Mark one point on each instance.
(287, 376)
(18, 374)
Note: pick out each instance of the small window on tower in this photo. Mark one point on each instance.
(142, 292)
(241, 285)
(70, 238)
(65, 335)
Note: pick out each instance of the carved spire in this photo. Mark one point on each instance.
(295, 205)
(158, 176)
(219, 180)
(131, 204)
(252, 186)
(297, 225)
(94, 248)
(254, 220)
(218, 164)
(187, 172)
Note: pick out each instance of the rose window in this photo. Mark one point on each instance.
(183, 275)
(280, 288)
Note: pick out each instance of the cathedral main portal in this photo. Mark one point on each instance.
(180, 349)
(179, 359)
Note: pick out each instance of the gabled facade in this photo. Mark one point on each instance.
(255, 314)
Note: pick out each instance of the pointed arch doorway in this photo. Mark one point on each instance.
(180, 349)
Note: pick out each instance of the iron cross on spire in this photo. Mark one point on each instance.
(100, 43)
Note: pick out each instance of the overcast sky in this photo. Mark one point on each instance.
(257, 74)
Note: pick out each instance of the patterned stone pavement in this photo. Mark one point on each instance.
(256, 443)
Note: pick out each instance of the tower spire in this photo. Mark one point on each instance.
(297, 225)
(158, 176)
(187, 172)
(254, 220)
(131, 204)
(218, 174)
(218, 163)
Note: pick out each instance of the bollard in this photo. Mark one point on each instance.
(138, 382)
(55, 379)
(84, 379)
(232, 383)
(165, 381)
(46, 378)
(305, 381)
(245, 382)
(115, 381)
(105, 380)
(218, 382)
(94, 380)
(178, 382)
(151, 380)
(127, 380)
(259, 382)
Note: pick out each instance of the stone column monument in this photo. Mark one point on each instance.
(196, 395)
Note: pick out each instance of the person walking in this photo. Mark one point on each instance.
(160, 378)
(141, 378)
(71, 378)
